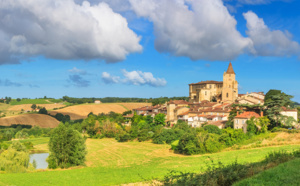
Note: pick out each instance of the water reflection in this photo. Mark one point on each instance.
(40, 160)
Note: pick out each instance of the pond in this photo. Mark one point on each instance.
(40, 160)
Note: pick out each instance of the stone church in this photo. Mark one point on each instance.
(225, 91)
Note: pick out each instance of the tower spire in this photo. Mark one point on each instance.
(230, 69)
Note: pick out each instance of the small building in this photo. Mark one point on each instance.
(290, 113)
(97, 101)
(240, 119)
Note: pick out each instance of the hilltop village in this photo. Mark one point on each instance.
(211, 102)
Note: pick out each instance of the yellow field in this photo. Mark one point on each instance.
(41, 120)
(81, 111)
(28, 107)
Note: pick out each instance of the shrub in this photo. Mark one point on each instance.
(15, 158)
(67, 148)
(212, 129)
(212, 144)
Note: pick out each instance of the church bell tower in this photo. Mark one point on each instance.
(230, 85)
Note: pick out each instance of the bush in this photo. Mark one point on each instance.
(212, 144)
(15, 158)
(67, 148)
(212, 129)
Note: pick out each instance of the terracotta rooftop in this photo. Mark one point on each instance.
(248, 115)
(230, 69)
(177, 102)
(182, 114)
(207, 82)
(218, 123)
(289, 109)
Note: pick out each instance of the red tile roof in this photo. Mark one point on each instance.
(207, 82)
(248, 115)
(177, 102)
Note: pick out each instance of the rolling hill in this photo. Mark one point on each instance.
(81, 111)
(41, 120)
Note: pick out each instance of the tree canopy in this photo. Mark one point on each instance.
(67, 148)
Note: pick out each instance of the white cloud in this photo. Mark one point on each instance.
(267, 42)
(63, 30)
(108, 79)
(198, 29)
(78, 71)
(135, 78)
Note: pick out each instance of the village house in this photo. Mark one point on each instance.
(254, 98)
(240, 120)
(288, 112)
(174, 108)
(97, 101)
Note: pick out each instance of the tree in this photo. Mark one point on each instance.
(18, 99)
(43, 111)
(33, 106)
(160, 119)
(15, 158)
(274, 105)
(67, 148)
(263, 122)
(212, 129)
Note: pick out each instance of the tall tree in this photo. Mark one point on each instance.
(67, 148)
(274, 105)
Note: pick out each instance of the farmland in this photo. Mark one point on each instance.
(28, 107)
(41, 120)
(112, 163)
(81, 111)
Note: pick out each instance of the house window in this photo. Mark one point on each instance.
(226, 94)
(243, 121)
(209, 86)
(205, 93)
(237, 121)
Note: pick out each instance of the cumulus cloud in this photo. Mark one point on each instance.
(78, 81)
(63, 30)
(9, 83)
(108, 79)
(198, 29)
(259, 2)
(135, 78)
(77, 71)
(268, 42)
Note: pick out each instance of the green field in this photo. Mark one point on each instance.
(285, 174)
(112, 163)
(31, 101)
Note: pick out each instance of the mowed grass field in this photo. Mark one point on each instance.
(30, 101)
(41, 120)
(112, 163)
(81, 111)
(284, 174)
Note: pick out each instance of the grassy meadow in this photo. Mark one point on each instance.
(30, 101)
(284, 174)
(109, 162)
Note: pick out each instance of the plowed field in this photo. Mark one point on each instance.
(41, 120)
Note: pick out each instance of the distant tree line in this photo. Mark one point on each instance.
(154, 101)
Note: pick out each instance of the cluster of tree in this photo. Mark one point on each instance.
(22, 132)
(154, 101)
(162, 100)
(67, 148)
(6, 100)
(15, 159)
(59, 116)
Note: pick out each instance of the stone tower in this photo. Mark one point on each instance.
(230, 85)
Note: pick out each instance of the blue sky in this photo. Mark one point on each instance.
(146, 48)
